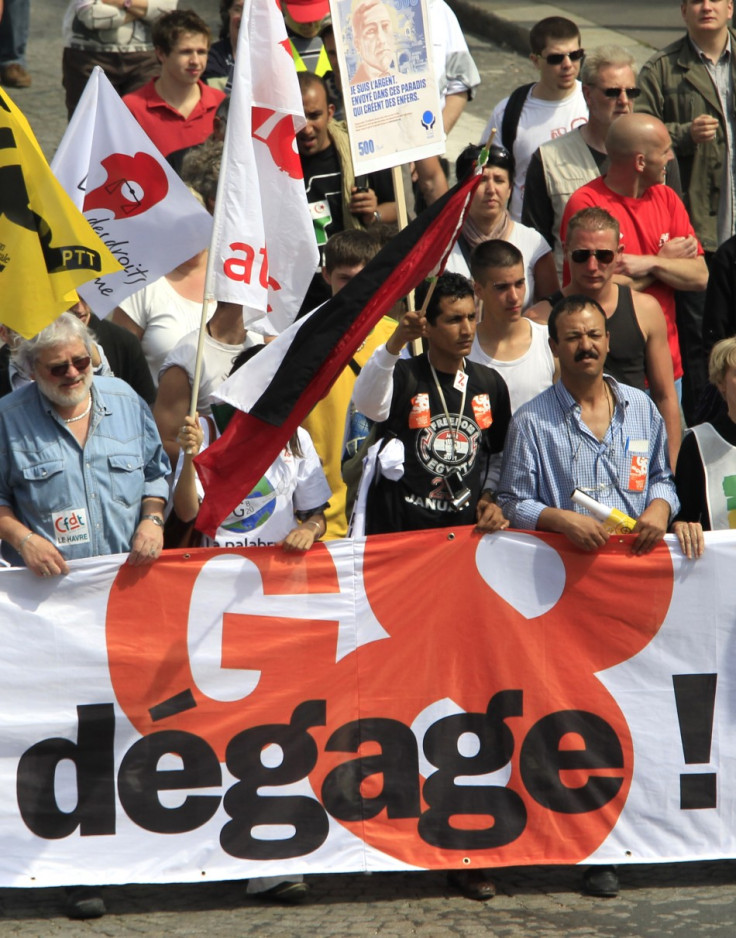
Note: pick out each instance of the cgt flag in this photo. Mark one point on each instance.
(263, 251)
(280, 386)
(47, 249)
(128, 193)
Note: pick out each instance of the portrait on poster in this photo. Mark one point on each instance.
(389, 87)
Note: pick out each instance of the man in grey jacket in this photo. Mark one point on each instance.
(690, 86)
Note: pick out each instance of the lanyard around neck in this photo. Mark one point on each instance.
(453, 433)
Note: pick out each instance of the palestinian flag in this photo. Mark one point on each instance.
(276, 390)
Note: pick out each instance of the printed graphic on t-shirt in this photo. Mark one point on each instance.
(419, 416)
(442, 449)
(482, 411)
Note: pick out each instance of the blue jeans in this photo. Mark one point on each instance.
(14, 29)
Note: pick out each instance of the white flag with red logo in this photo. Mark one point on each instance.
(128, 193)
(263, 251)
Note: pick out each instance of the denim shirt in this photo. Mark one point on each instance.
(85, 500)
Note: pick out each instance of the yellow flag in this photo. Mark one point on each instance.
(47, 247)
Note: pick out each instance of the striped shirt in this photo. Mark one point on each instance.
(550, 452)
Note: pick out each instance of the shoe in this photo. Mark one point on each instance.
(287, 893)
(84, 902)
(473, 884)
(601, 881)
(14, 76)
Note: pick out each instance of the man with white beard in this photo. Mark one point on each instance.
(82, 468)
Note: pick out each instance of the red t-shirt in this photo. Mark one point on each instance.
(166, 127)
(646, 224)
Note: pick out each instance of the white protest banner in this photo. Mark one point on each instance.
(132, 198)
(390, 91)
(402, 702)
(263, 251)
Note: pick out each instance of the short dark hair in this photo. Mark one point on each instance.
(493, 253)
(571, 304)
(200, 168)
(167, 28)
(454, 286)
(554, 28)
(349, 248)
(309, 80)
(497, 156)
(225, 6)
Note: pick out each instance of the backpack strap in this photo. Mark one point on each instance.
(512, 113)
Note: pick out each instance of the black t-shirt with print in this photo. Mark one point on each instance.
(421, 498)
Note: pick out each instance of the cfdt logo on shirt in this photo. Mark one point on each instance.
(70, 527)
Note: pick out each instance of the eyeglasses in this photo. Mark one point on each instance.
(630, 93)
(583, 254)
(81, 364)
(557, 58)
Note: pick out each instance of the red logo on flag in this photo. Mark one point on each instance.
(133, 185)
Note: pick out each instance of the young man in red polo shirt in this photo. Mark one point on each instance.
(177, 109)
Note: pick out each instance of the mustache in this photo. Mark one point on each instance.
(590, 353)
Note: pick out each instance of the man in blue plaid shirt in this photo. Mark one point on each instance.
(587, 432)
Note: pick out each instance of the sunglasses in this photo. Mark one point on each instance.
(497, 152)
(631, 93)
(581, 256)
(81, 364)
(557, 58)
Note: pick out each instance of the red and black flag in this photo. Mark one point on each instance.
(276, 390)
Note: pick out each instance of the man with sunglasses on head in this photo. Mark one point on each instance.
(638, 353)
(82, 469)
(562, 165)
(552, 106)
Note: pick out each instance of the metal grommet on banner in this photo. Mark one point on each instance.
(451, 536)
(466, 860)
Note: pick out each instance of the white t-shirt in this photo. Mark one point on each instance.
(454, 67)
(292, 483)
(528, 240)
(539, 122)
(217, 361)
(165, 317)
(526, 376)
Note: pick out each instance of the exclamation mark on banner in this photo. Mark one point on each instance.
(695, 697)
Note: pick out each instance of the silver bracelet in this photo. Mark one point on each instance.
(26, 538)
(317, 529)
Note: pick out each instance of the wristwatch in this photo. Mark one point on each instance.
(157, 519)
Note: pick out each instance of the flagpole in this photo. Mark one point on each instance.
(197, 376)
(209, 277)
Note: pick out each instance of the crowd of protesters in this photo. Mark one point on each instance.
(586, 320)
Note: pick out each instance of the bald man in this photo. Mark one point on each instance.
(660, 251)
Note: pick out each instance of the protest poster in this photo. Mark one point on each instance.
(390, 91)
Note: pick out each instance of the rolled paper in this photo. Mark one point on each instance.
(612, 519)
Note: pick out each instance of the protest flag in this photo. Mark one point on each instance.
(277, 389)
(128, 193)
(47, 249)
(264, 251)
